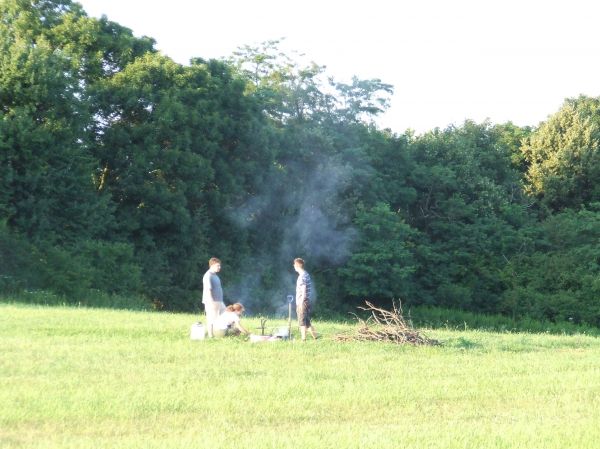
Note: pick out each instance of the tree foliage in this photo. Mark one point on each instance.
(123, 172)
(563, 156)
(558, 278)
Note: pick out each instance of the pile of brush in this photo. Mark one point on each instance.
(386, 325)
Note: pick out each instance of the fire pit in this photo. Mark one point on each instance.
(278, 333)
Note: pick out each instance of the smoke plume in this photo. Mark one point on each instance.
(295, 216)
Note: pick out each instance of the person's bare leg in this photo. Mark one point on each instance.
(212, 312)
(303, 332)
(209, 324)
(312, 332)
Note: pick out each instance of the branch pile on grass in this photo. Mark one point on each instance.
(386, 325)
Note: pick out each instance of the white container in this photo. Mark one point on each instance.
(197, 332)
(259, 338)
(281, 332)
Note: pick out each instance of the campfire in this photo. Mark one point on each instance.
(386, 325)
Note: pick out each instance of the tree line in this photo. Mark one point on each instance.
(123, 172)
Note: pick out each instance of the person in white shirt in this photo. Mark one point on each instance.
(212, 294)
(228, 323)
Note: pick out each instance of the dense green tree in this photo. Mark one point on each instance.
(19, 263)
(469, 209)
(557, 275)
(381, 265)
(44, 159)
(563, 156)
(123, 172)
(47, 169)
(180, 147)
(148, 168)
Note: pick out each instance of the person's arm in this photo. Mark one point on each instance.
(241, 328)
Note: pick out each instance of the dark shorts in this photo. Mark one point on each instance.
(303, 315)
(220, 333)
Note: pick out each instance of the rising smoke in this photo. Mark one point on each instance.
(299, 214)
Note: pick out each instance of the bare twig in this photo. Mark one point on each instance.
(386, 325)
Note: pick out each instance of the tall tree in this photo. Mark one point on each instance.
(290, 90)
(469, 209)
(563, 156)
(44, 158)
(557, 277)
(51, 54)
(180, 147)
(381, 265)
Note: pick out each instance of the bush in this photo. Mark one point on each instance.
(112, 267)
(435, 317)
(19, 263)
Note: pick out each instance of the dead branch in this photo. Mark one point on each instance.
(386, 325)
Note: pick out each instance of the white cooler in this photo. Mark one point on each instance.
(197, 332)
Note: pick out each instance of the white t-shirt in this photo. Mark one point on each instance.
(226, 319)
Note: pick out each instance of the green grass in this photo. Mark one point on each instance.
(93, 298)
(92, 378)
(437, 317)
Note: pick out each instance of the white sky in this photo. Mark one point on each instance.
(449, 60)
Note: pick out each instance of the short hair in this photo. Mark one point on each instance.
(213, 260)
(299, 261)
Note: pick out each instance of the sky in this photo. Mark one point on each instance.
(448, 60)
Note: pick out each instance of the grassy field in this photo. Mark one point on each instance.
(89, 378)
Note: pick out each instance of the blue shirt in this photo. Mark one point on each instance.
(211, 288)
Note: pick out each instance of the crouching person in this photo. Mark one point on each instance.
(228, 323)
